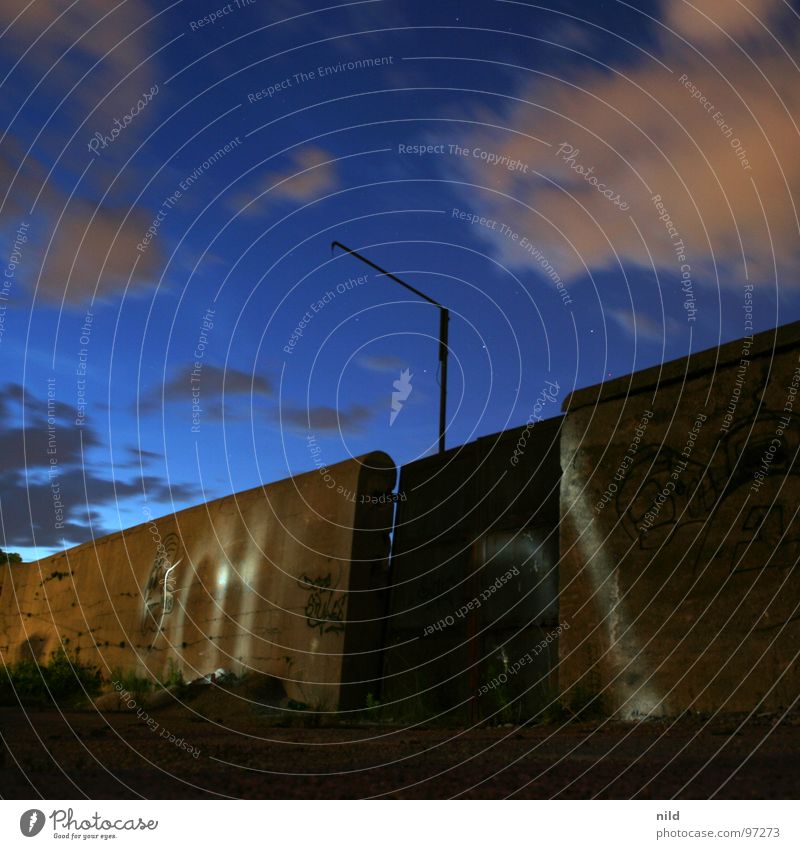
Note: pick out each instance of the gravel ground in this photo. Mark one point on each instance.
(119, 755)
(222, 742)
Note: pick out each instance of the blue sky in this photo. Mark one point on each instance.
(590, 188)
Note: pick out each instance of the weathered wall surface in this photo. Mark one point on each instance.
(474, 573)
(679, 534)
(282, 579)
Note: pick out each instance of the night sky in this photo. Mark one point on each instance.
(591, 188)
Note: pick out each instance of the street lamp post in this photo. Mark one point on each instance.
(444, 319)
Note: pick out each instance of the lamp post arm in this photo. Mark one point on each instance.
(396, 279)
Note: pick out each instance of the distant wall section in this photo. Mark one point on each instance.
(283, 579)
(680, 538)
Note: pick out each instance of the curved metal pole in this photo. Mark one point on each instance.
(444, 320)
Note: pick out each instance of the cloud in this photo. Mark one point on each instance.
(27, 504)
(643, 131)
(75, 248)
(137, 458)
(140, 455)
(25, 443)
(28, 513)
(94, 249)
(381, 363)
(12, 395)
(216, 381)
(711, 22)
(100, 46)
(91, 41)
(311, 175)
(349, 420)
(214, 384)
(640, 325)
(50, 490)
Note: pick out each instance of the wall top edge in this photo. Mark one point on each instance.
(708, 361)
(371, 460)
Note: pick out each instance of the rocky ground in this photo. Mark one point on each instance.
(220, 745)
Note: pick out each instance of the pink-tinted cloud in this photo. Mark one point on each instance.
(716, 141)
(78, 247)
(310, 176)
(94, 251)
(709, 22)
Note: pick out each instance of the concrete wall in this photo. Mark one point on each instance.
(470, 516)
(284, 579)
(679, 534)
(677, 584)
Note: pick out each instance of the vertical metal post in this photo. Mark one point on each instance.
(444, 320)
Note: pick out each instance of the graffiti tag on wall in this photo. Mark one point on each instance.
(325, 606)
(159, 593)
(714, 493)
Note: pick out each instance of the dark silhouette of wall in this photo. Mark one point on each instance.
(474, 579)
